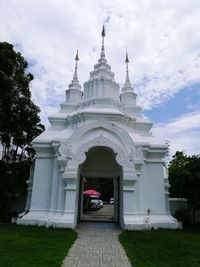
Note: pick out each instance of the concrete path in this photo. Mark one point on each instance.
(103, 214)
(97, 245)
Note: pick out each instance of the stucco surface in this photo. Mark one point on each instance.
(105, 116)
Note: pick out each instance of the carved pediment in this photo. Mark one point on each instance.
(66, 150)
(136, 153)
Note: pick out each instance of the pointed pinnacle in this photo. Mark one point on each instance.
(103, 32)
(126, 60)
(127, 82)
(75, 78)
(77, 58)
(102, 56)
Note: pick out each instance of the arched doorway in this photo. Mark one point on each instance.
(100, 172)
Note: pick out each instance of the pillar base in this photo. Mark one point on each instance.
(153, 221)
(57, 220)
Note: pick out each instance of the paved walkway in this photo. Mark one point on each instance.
(97, 245)
(103, 214)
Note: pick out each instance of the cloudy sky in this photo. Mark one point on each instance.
(162, 38)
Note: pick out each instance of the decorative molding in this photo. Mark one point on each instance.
(55, 146)
(128, 155)
(62, 161)
(101, 140)
(65, 149)
(128, 160)
(114, 129)
(136, 153)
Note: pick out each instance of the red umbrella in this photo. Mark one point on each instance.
(91, 192)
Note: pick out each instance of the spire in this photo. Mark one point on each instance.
(127, 86)
(127, 82)
(75, 83)
(102, 57)
(103, 32)
(75, 78)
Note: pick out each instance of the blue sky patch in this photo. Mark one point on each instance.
(185, 101)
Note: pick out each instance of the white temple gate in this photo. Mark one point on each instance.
(103, 116)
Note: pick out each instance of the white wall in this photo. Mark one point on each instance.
(41, 191)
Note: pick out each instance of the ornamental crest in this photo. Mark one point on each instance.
(66, 150)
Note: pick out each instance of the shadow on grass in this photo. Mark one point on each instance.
(31, 246)
(162, 248)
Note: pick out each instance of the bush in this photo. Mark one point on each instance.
(183, 215)
(12, 185)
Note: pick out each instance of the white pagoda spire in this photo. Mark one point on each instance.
(74, 93)
(102, 56)
(127, 82)
(101, 84)
(128, 97)
(75, 83)
(75, 78)
(127, 86)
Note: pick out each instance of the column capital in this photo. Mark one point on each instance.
(55, 145)
(62, 161)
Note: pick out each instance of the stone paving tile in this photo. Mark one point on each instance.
(97, 245)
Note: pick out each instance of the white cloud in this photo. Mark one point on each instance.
(182, 133)
(162, 38)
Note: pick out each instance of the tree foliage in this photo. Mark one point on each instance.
(12, 186)
(184, 177)
(19, 125)
(19, 119)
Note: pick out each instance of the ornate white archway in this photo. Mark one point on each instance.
(101, 134)
(77, 157)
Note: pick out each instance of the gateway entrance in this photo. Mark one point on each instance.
(100, 204)
(99, 186)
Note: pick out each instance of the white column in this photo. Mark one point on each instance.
(55, 181)
(116, 198)
(42, 185)
(64, 216)
(41, 190)
(71, 177)
(129, 199)
(29, 183)
(82, 182)
(61, 191)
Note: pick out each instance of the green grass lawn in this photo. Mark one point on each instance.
(162, 248)
(30, 246)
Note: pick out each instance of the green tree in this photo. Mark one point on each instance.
(192, 183)
(19, 119)
(178, 174)
(19, 125)
(184, 177)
